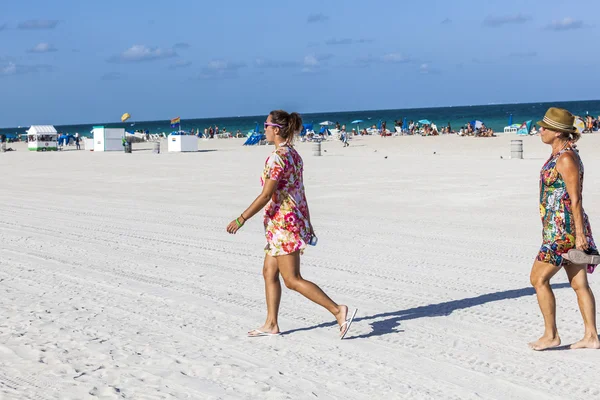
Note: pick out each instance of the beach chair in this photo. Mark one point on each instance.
(255, 138)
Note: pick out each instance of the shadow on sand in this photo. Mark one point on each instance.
(393, 319)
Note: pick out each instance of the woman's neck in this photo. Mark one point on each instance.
(279, 143)
(559, 145)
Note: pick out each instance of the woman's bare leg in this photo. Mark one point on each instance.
(289, 267)
(587, 306)
(272, 294)
(541, 273)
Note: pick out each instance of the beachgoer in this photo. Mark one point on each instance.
(567, 235)
(288, 227)
(77, 140)
(344, 136)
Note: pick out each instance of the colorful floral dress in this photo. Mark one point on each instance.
(558, 231)
(287, 227)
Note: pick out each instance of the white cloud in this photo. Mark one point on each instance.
(38, 24)
(396, 58)
(8, 69)
(314, 62)
(565, 24)
(266, 63)
(221, 69)
(180, 64)
(311, 61)
(499, 20)
(17, 69)
(427, 69)
(141, 53)
(389, 58)
(42, 48)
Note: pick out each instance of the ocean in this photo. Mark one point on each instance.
(494, 116)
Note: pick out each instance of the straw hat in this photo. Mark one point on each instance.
(559, 120)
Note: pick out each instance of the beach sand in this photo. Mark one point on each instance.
(118, 279)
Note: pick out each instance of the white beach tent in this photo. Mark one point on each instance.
(42, 138)
(108, 139)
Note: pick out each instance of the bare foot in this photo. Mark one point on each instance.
(544, 343)
(590, 342)
(265, 330)
(341, 318)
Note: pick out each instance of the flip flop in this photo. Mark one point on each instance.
(577, 256)
(347, 323)
(259, 333)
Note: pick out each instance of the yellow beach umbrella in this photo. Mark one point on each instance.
(125, 117)
(579, 124)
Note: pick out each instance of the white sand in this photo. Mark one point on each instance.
(118, 280)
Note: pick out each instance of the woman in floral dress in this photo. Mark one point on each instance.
(566, 236)
(288, 229)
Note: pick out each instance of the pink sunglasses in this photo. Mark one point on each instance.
(267, 124)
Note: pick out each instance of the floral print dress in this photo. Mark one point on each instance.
(558, 231)
(287, 227)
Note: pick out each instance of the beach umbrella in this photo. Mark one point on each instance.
(357, 121)
(326, 123)
(579, 124)
(476, 124)
(510, 120)
(125, 117)
(404, 124)
(425, 122)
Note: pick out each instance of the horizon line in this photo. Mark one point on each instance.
(321, 112)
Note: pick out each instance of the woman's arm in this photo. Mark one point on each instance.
(568, 167)
(258, 204)
(312, 232)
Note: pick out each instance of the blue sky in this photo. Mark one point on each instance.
(77, 61)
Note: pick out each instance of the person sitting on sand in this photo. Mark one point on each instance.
(288, 227)
(566, 236)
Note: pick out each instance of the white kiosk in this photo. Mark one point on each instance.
(182, 143)
(108, 139)
(42, 138)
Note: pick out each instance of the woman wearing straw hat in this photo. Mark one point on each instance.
(287, 225)
(567, 236)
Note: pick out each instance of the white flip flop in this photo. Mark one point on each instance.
(347, 323)
(259, 333)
